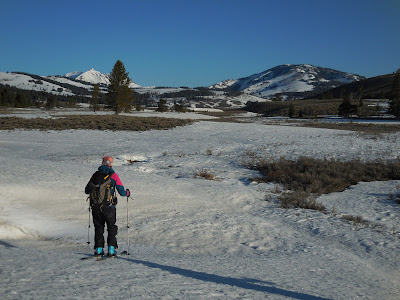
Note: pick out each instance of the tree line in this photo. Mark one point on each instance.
(14, 97)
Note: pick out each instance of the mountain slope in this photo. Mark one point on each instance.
(73, 74)
(378, 87)
(72, 84)
(49, 84)
(95, 77)
(289, 80)
(91, 76)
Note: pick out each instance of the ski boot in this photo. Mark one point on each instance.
(111, 251)
(99, 252)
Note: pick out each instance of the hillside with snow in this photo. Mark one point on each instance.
(95, 77)
(48, 84)
(289, 80)
(59, 85)
(81, 83)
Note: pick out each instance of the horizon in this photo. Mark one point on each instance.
(183, 43)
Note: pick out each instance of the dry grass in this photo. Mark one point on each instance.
(299, 199)
(107, 122)
(325, 175)
(357, 220)
(370, 128)
(307, 176)
(206, 174)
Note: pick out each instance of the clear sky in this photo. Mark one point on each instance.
(198, 42)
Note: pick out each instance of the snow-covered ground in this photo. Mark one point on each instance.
(192, 238)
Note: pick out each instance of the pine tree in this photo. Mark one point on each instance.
(20, 100)
(291, 110)
(71, 102)
(360, 95)
(395, 96)
(51, 102)
(120, 96)
(139, 107)
(162, 105)
(347, 109)
(94, 102)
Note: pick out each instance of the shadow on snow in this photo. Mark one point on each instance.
(244, 283)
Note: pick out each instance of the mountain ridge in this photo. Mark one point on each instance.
(289, 81)
(95, 77)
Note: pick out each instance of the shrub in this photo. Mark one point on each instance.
(355, 219)
(106, 122)
(205, 174)
(299, 200)
(325, 175)
(306, 176)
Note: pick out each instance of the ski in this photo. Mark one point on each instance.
(90, 257)
(104, 257)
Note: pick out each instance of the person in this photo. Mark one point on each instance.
(105, 212)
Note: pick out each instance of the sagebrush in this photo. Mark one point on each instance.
(104, 122)
(308, 176)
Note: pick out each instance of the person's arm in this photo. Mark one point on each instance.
(87, 188)
(119, 186)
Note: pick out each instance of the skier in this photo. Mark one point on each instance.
(101, 188)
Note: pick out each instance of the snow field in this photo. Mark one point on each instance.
(192, 238)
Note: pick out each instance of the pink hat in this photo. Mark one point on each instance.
(108, 161)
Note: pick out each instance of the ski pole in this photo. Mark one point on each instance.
(127, 221)
(88, 232)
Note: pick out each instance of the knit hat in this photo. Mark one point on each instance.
(107, 161)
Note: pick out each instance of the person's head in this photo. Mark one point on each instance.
(108, 161)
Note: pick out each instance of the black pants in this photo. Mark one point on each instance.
(101, 216)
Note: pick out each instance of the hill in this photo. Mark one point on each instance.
(378, 87)
(290, 81)
(95, 77)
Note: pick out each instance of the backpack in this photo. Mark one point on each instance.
(100, 189)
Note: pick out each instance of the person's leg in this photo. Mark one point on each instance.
(98, 222)
(110, 214)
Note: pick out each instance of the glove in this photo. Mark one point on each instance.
(128, 193)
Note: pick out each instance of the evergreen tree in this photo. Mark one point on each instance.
(346, 108)
(277, 98)
(162, 105)
(94, 101)
(51, 102)
(360, 95)
(395, 96)
(7, 97)
(291, 110)
(20, 100)
(2, 100)
(139, 107)
(180, 108)
(71, 102)
(120, 96)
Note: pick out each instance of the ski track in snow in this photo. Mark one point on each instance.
(193, 238)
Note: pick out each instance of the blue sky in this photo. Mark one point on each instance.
(198, 43)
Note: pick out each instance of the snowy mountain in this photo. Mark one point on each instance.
(73, 74)
(50, 84)
(93, 76)
(289, 80)
(74, 83)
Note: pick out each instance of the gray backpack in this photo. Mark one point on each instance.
(100, 189)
